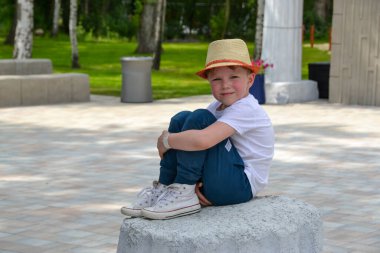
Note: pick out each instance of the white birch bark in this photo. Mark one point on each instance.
(57, 10)
(150, 21)
(24, 30)
(226, 17)
(157, 53)
(259, 29)
(157, 21)
(73, 34)
(321, 7)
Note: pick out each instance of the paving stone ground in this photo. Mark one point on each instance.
(65, 170)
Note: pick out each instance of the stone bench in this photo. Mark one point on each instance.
(25, 67)
(272, 224)
(43, 89)
(31, 82)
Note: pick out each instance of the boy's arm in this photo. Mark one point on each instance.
(193, 140)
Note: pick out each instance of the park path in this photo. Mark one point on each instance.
(65, 170)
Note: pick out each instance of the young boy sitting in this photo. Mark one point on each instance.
(215, 156)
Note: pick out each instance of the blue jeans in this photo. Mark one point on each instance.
(220, 168)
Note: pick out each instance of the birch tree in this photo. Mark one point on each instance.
(150, 20)
(24, 30)
(157, 53)
(73, 34)
(259, 29)
(321, 8)
(226, 17)
(57, 10)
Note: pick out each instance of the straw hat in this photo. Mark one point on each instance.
(228, 52)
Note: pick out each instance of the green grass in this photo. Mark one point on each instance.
(100, 59)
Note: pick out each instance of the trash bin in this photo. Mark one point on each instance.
(136, 79)
(258, 88)
(320, 72)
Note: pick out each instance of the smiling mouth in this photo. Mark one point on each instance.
(226, 94)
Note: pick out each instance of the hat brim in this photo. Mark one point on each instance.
(202, 73)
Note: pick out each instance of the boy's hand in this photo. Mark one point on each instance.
(160, 144)
(201, 197)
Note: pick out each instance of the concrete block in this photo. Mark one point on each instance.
(39, 66)
(7, 67)
(10, 91)
(44, 89)
(273, 224)
(80, 87)
(291, 92)
(59, 89)
(26, 67)
(33, 67)
(34, 89)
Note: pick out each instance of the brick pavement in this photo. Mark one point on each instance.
(65, 170)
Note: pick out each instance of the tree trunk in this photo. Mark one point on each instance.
(86, 8)
(24, 30)
(57, 10)
(73, 34)
(226, 17)
(158, 51)
(259, 29)
(10, 40)
(105, 6)
(148, 31)
(321, 8)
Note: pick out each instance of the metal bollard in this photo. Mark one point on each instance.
(136, 79)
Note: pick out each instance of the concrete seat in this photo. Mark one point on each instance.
(25, 67)
(272, 224)
(23, 90)
(31, 82)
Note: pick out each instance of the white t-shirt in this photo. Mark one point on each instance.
(254, 137)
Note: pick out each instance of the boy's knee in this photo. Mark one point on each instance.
(202, 113)
(177, 121)
(199, 119)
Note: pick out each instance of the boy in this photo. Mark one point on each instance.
(215, 156)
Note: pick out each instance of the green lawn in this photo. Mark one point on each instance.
(101, 61)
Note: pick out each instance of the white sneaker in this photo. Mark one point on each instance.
(147, 197)
(178, 200)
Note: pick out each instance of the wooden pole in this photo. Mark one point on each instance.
(312, 36)
(303, 32)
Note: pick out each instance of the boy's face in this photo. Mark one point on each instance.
(229, 84)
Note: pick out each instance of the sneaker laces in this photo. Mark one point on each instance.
(148, 193)
(171, 193)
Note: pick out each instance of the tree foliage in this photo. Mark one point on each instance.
(185, 19)
(319, 14)
(206, 19)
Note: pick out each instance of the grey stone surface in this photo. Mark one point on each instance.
(66, 169)
(271, 224)
(25, 67)
(10, 91)
(34, 90)
(59, 91)
(7, 67)
(291, 92)
(31, 82)
(44, 89)
(80, 87)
